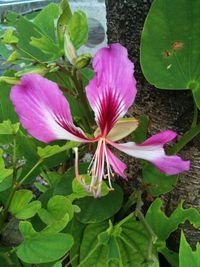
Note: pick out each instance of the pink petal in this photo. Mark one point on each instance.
(161, 138)
(112, 91)
(153, 151)
(43, 110)
(117, 165)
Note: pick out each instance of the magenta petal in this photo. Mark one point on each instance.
(172, 164)
(118, 166)
(161, 138)
(112, 91)
(153, 151)
(43, 110)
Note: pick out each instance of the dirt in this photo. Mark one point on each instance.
(166, 109)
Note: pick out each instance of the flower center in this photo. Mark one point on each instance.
(98, 169)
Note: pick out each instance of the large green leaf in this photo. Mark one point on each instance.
(163, 225)
(157, 182)
(120, 245)
(27, 32)
(93, 209)
(170, 45)
(42, 248)
(187, 257)
(45, 20)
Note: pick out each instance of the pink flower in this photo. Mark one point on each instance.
(45, 113)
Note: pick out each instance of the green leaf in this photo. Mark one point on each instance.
(4, 173)
(57, 207)
(46, 45)
(58, 213)
(6, 108)
(140, 134)
(187, 257)
(93, 209)
(28, 30)
(6, 127)
(6, 183)
(78, 29)
(158, 183)
(20, 206)
(8, 37)
(49, 151)
(163, 225)
(76, 230)
(45, 20)
(33, 69)
(4, 51)
(79, 190)
(120, 245)
(64, 18)
(170, 53)
(87, 74)
(42, 248)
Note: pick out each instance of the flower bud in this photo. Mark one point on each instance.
(83, 61)
(69, 49)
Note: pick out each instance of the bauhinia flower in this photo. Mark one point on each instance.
(45, 113)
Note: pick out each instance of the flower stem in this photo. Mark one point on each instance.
(186, 138)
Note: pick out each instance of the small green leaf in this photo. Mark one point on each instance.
(64, 18)
(87, 74)
(42, 248)
(58, 213)
(78, 29)
(187, 257)
(93, 210)
(9, 37)
(79, 190)
(34, 69)
(20, 206)
(6, 127)
(49, 151)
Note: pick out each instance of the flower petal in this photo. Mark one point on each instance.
(153, 151)
(122, 128)
(118, 166)
(112, 90)
(43, 110)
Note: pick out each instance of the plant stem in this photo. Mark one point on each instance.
(186, 138)
(79, 86)
(195, 116)
(130, 202)
(151, 234)
(27, 175)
